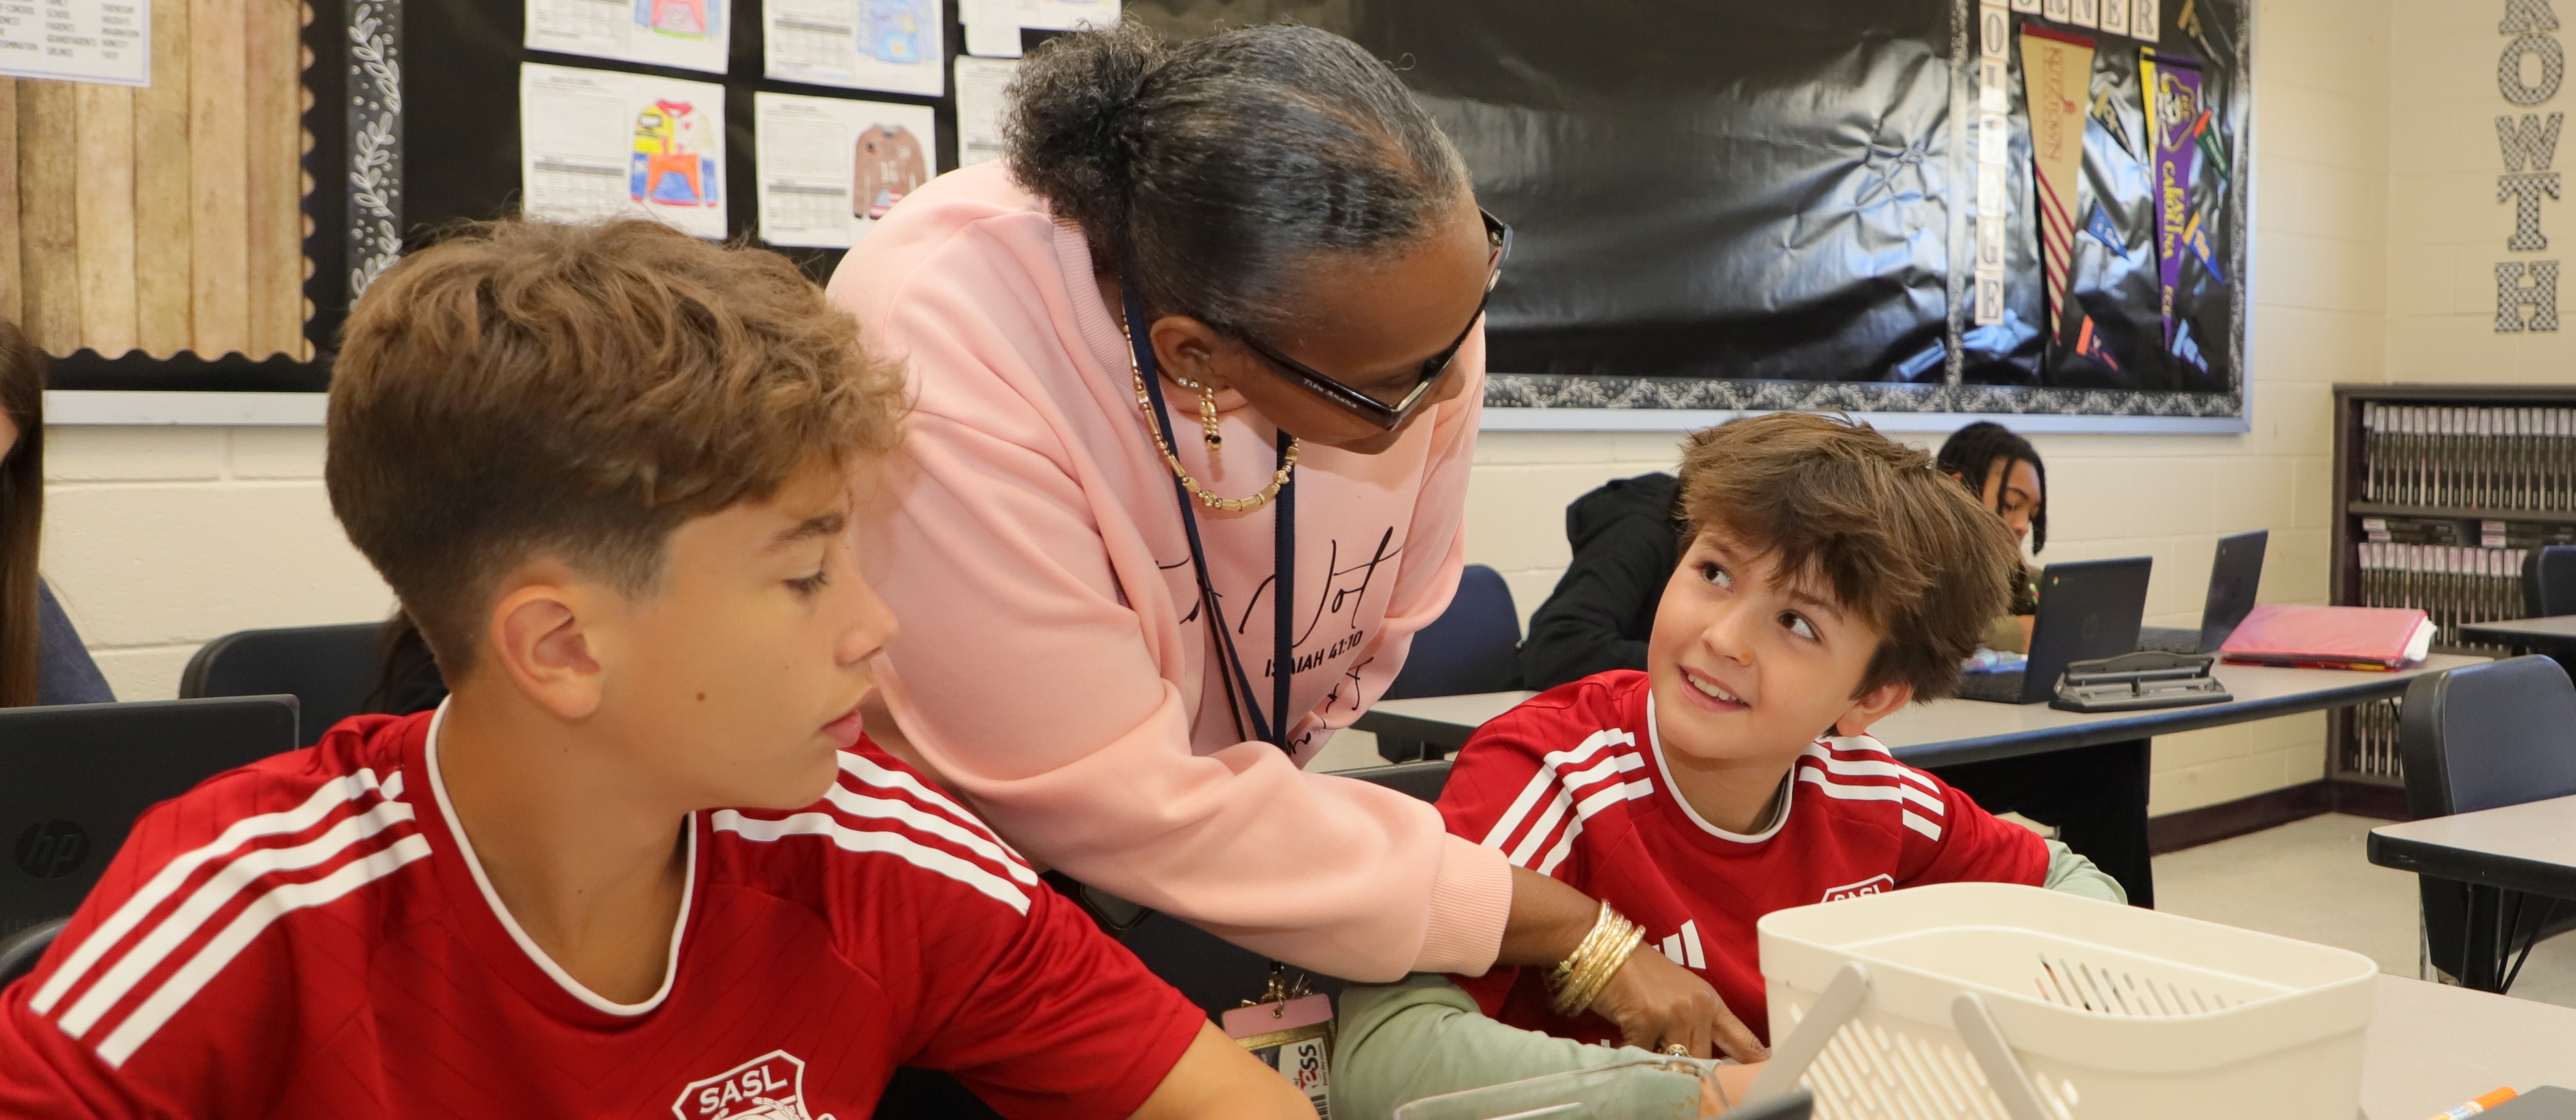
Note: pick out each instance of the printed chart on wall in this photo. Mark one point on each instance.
(107, 41)
(890, 45)
(830, 166)
(689, 34)
(980, 82)
(593, 144)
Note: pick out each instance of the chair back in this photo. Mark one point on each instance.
(2483, 736)
(1474, 646)
(2480, 737)
(328, 669)
(20, 951)
(2549, 581)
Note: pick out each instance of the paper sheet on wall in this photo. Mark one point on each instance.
(992, 27)
(1067, 15)
(830, 166)
(980, 82)
(596, 144)
(689, 34)
(106, 41)
(890, 45)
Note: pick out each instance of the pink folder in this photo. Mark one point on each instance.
(2331, 637)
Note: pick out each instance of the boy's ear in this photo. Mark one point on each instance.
(1873, 706)
(541, 640)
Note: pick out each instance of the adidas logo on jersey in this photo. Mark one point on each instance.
(1875, 884)
(769, 1087)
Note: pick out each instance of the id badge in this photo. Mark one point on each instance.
(1291, 1034)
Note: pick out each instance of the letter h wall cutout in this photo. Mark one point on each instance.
(2528, 73)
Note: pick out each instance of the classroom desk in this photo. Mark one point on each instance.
(2504, 855)
(1946, 732)
(2553, 635)
(2430, 1047)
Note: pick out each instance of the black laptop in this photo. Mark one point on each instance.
(2232, 580)
(74, 777)
(2088, 609)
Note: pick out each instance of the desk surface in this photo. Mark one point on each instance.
(2528, 847)
(2553, 634)
(2431, 1047)
(1952, 731)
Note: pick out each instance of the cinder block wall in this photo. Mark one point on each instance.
(158, 539)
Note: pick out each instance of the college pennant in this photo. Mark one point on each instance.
(2173, 107)
(2090, 344)
(2057, 75)
(2098, 223)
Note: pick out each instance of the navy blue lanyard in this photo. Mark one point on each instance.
(1273, 728)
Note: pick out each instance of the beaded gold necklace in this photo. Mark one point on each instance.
(1154, 426)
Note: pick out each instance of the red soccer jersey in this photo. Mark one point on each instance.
(312, 936)
(1573, 784)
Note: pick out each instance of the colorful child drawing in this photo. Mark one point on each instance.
(890, 30)
(890, 165)
(689, 19)
(671, 165)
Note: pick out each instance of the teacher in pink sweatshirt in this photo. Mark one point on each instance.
(1198, 371)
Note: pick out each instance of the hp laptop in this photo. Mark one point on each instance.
(2232, 580)
(2088, 609)
(74, 777)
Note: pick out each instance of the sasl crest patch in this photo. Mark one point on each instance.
(769, 1087)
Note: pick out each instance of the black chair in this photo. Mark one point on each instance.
(1474, 646)
(2549, 581)
(20, 951)
(329, 669)
(2481, 737)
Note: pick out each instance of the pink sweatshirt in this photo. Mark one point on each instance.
(1053, 663)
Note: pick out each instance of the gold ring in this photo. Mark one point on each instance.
(1678, 1050)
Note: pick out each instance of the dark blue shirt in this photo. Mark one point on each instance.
(64, 672)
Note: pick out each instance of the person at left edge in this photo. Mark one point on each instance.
(642, 862)
(1249, 267)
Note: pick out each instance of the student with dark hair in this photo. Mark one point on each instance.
(1626, 537)
(2096, 797)
(2003, 470)
(1198, 369)
(42, 660)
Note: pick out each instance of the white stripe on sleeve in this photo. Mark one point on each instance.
(890, 843)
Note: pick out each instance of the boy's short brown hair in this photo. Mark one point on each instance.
(1895, 541)
(530, 388)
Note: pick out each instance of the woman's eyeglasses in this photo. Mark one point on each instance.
(1368, 408)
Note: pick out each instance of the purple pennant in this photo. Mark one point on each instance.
(2174, 107)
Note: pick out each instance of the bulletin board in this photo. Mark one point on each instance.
(1727, 205)
(161, 237)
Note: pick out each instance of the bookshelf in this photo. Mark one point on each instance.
(2440, 491)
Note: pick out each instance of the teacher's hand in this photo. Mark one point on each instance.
(1657, 1004)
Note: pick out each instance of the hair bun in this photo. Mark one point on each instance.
(1067, 128)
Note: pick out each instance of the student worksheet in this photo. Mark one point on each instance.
(980, 82)
(831, 166)
(689, 34)
(597, 143)
(890, 45)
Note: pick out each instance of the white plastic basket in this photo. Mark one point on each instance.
(2001, 1002)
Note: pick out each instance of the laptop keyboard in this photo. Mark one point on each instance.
(2168, 639)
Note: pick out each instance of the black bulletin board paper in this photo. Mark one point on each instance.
(1729, 204)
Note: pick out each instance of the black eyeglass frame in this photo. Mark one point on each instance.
(1364, 407)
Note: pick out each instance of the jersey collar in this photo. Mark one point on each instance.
(527, 945)
(1673, 791)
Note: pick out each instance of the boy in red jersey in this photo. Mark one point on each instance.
(642, 862)
(1831, 577)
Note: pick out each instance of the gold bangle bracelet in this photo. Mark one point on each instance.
(1603, 951)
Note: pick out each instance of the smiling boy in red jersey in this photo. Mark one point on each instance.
(1831, 577)
(642, 862)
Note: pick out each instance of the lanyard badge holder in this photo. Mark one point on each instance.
(1290, 1028)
